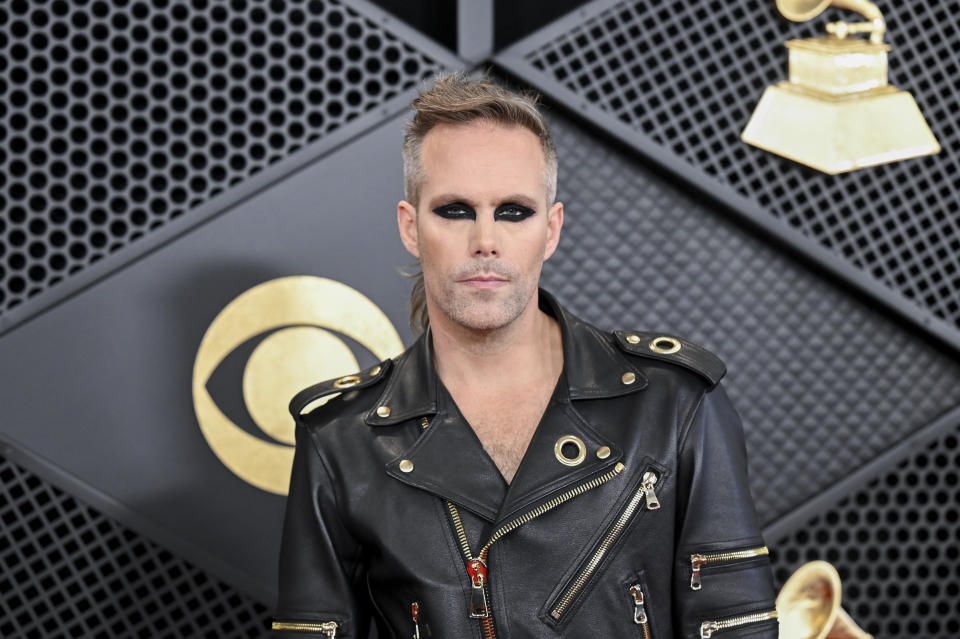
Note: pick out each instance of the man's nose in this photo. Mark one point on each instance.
(483, 240)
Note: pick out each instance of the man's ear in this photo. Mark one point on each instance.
(407, 223)
(554, 224)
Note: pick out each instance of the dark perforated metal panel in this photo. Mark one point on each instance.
(812, 369)
(689, 74)
(116, 117)
(66, 570)
(895, 545)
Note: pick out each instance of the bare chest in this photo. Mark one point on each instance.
(505, 424)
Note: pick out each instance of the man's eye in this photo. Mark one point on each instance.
(455, 212)
(512, 212)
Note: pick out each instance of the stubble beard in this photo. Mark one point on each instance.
(479, 309)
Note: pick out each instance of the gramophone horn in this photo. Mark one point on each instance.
(809, 606)
(801, 10)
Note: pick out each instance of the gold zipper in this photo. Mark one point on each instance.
(707, 628)
(329, 628)
(698, 561)
(640, 610)
(645, 492)
(477, 565)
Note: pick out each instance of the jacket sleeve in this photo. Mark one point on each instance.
(716, 515)
(321, 575)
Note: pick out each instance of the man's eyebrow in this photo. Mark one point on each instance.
(516, 198)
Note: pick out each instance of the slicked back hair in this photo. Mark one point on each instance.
(456, 99)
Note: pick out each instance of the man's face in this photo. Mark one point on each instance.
(482, 230)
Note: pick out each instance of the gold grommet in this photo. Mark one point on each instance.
(383, 411)
(406, 466)
(375, 371)
(347, 381)
(603, 452)
(633, 339)
(664, 345)
(628, 378)
(570, 461)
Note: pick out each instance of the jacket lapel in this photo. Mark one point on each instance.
(448, 459)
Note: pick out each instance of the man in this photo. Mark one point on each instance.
(517, 472)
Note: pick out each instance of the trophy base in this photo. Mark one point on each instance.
(836, 134)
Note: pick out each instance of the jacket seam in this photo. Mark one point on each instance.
(336, 502)
(687, 423)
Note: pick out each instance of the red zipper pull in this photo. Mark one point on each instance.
(415, 613)
(477, 569)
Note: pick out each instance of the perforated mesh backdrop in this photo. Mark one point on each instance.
(116, 117)
(895, 545)
(689, 74)
(69, 571)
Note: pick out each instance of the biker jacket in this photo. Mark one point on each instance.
(629, 516)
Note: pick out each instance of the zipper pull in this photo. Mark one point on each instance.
(649, 479)
(415, 612)
(696, 562)
(329, 628)
(639, 612)
(477, 569)
(707, 628)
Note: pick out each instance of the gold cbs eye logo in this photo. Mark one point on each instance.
(298, 353)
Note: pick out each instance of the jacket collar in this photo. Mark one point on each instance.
(593, 368)
(448, 460)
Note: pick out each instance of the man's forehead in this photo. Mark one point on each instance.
(482, 160)
(479, 132)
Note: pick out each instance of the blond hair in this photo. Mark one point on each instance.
(456, 99)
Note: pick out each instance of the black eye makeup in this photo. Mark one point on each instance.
(506, 212)
(512, 212)
(456, 211)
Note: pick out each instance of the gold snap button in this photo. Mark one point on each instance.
(375, 371)
(406, 466)
(628, 378)
(562, 457)
(664, 345)
(603, 452)
(347, 381)
(383, 411)
(633, 339)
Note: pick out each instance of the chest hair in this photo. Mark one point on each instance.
(505, 423)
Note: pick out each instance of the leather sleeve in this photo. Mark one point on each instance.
(716, 515)
(321, 577)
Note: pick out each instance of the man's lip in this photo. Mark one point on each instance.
(484, 278)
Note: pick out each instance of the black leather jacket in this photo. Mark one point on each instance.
(393, 500)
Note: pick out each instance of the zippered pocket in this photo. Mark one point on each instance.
(708, 628)
(699, 561)
(639, 599)
(643, 498)
(325, 628)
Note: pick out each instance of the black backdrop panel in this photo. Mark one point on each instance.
(824, 381)
(69, 571)
(686, 76)
(894, 543)
(117, 117)
(100, 385)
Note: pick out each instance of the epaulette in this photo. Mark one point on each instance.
(673, 349)
(353, 382)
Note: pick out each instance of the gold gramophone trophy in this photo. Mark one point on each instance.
(837, 113)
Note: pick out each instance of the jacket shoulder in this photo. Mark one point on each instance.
(313, 397)
(673, 349)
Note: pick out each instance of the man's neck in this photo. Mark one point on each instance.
(528, 349)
